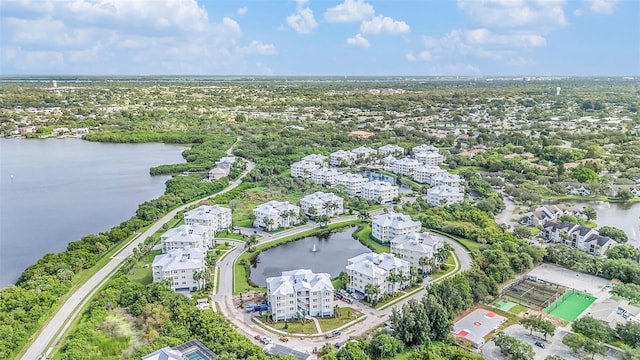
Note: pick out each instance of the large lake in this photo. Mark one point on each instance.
(55, 191)
(330, 256)
(624, 216)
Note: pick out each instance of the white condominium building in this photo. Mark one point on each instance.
(386, 227)
(424, 174)
(405, 166)
(442, 195)
(187, 236)
(274, 214)
(300, 291)
(325, 176)
(424, 148)
(364, 152)
(178, 266)
(380, 191)
(315, 158)
(412, 247)
(303, 169)
(323, 204)
(429, 158)
(215, 216)
(389, 160)
(447, 179)
(372, 268)
(390, 149)
(339, 157)
(351, 183)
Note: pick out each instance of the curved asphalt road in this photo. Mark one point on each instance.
(53, 330)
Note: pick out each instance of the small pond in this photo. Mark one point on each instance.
(326, 253)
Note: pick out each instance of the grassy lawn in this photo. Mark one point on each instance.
(231, 235)
(141, 272)
(450, 267)
(364, 236)
(346, 315)
(518, 309)
(472, 246)
(292, 327)
(382, 304)
(240, 275)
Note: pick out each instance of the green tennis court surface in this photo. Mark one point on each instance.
(571, 307)
(503, 304)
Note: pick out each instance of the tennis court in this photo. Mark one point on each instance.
(570, 305)
(503, 304)
(534, 294)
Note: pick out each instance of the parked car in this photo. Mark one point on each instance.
(338, 345)
(284, 338)
(539, 344)
(332, 334)
(265, 340)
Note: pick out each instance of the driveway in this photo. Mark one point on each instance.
(553, 345)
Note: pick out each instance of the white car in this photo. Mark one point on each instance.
(265, 340)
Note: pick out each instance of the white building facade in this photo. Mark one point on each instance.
(351, 183)
(300, 292)
(386, 227)
(178, 267)
(442, 195)
(274, 214)
(380, 191)
(405, 166)
(303, 169)
(429, 158)
(214, 216)
(325, 176)
(341, 157)
(187, 236)
(424, 174)
(372, 268)
(323, 203)
(391, 149)
(414, 246)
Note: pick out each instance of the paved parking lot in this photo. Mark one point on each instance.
(590, 284)
(553, 345)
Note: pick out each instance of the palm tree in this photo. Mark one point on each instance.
(291, 214)
(285, 218)
(393, 279)
(312, 212)
(268, 223)
(423, 262)
(253, 240)
(442, 254)
(369, 291)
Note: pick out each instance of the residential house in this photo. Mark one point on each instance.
(274, 214)
(405, 166)
(577, 189)
(300, 292)
(325, 176)
(390, 149)
(342, 157)
(380, 191)
(191, 350)
(322, 203)
(442, 195)
(424, 174)
(543, 214)
(187, 236)
(303, 169)
(364, 153)
(429, 158)
(491, 175)
(316, 158)
(350, 183)
(214, 216)
(386, 227)
(578, 236)
(613, 312)
(226, 161)
(414, 246)
(178, 266)
(374, 269)
(424, 148)
(361, 134)
(217, 173)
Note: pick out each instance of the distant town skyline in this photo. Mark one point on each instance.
(321, 38)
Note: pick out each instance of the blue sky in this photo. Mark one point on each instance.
(321, 37)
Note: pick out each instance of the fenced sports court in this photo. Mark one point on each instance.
(570, 305)
(534, 294)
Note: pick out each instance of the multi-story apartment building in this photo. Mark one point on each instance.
(178, 267)
(300, 292)
(322, 203)
(316, 158)
(405, 166)
(429, 158)
(187, 236)
(214, 216)
(341, 157)
(325, 176)
(379, 191)
(578, 236)
(424, 148)
(365, 153)
(386, 227)
(303, 169)
(274, 214)
(350, 183)
(442, 195)
(447, 179)
(391, 149)
(414, 246)
(372, 268)
(424, 174)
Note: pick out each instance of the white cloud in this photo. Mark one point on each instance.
(600, 7)
(384, 25)
(458, 69)
(359, 41)
(228, 27)
(422, 56)
(302, 21)
(485, 37)
(243, 10)
(258, 47)
(531, 14)
(349, 11)
(264, 69)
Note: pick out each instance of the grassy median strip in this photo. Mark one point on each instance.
(240, 273)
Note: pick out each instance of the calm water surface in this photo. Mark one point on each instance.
(332, 252)
(624, 216)
(55, 191)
